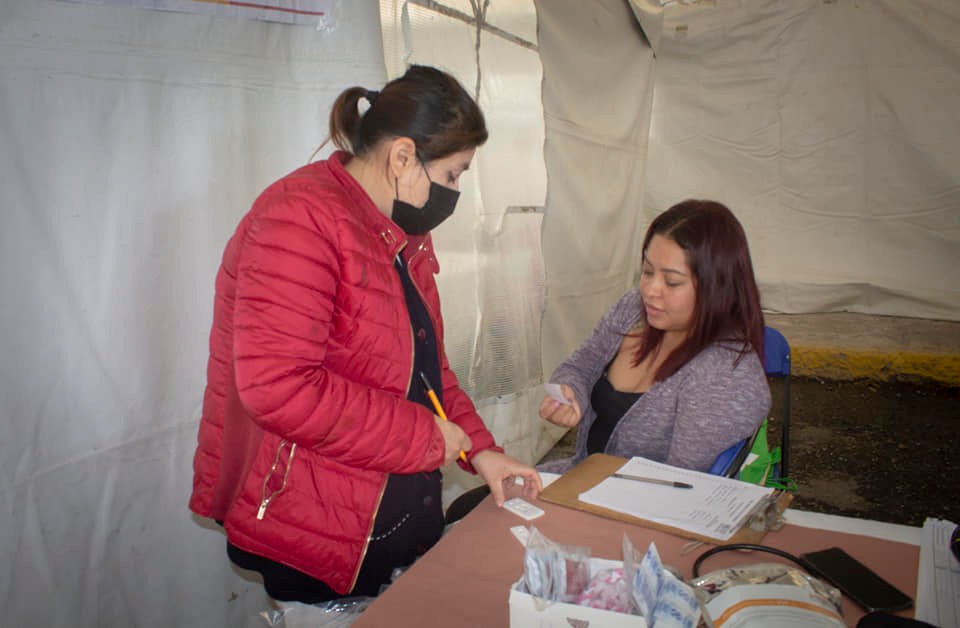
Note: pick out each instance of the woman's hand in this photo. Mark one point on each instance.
(564, 415)
(455, 440)
(501, 471)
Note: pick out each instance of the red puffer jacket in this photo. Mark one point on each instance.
(311, 357)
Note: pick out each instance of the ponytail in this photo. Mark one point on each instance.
(345, 117)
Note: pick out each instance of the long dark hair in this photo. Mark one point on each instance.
(425, 104)
(727, 303)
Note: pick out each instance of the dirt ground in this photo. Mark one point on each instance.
(866, 449)
(884, 451)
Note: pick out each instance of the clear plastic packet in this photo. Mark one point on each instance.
(657, 591)
(554, 572)
(712, 584)
(607, 590)
(677, 604)
(644, 575)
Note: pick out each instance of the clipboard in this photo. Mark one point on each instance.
(564, 491)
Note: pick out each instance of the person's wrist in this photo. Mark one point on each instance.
(474, 456)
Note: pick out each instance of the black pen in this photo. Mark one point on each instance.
(627, 476)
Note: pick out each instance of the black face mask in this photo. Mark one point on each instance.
(440, 204)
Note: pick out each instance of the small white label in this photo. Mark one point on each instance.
(522, 508)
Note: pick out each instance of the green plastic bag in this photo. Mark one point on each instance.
(761, 463)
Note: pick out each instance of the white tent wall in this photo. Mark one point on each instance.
(597, 98)
(832, 129)
(133, 141)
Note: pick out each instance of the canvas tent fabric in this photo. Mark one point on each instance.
(831, 129)
(597, 100)
(133, 141)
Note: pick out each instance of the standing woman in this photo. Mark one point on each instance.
(319, 450)
(673, 371)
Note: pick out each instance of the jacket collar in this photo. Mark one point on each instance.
(392, 235)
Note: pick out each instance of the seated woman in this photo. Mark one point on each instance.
(673, 372)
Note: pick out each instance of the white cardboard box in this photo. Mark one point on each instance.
(525, 614)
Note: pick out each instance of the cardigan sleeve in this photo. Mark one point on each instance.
(581, 370)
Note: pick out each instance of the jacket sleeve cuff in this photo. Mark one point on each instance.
(468, 466)
(433, 457)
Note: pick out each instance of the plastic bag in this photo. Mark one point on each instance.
(333, 614)
(768, 595)
(554, 572)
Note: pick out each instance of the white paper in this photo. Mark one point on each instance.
(556, 393)
(715, 507)
(938, 578)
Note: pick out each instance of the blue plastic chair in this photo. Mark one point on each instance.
(776, 364)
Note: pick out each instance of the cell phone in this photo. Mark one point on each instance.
(860, 583)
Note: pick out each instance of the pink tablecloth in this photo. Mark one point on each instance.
(465, 579)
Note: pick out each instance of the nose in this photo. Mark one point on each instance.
(650, 286)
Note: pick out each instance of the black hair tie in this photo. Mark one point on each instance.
(371, 96)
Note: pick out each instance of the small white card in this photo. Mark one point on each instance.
(556, 393)
(522, 508)
(522, 533)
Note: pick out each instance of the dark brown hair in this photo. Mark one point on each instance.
(727, 303)
(425, 104)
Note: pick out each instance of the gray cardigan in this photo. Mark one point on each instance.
(686, 420)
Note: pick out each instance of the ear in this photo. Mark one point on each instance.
(402, 157)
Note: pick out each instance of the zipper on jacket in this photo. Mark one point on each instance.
(405, 267)
(264, 498)
(366, 542)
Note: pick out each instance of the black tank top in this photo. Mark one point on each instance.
(610, 405)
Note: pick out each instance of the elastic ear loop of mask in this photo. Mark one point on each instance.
(396, 180)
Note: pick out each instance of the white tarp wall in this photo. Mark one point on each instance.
(132, 142)
(597, 95)
(832, 129)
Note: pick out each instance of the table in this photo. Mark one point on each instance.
(465, 579)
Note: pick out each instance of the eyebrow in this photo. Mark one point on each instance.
(675, 271)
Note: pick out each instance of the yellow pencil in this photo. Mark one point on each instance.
(436, 405)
